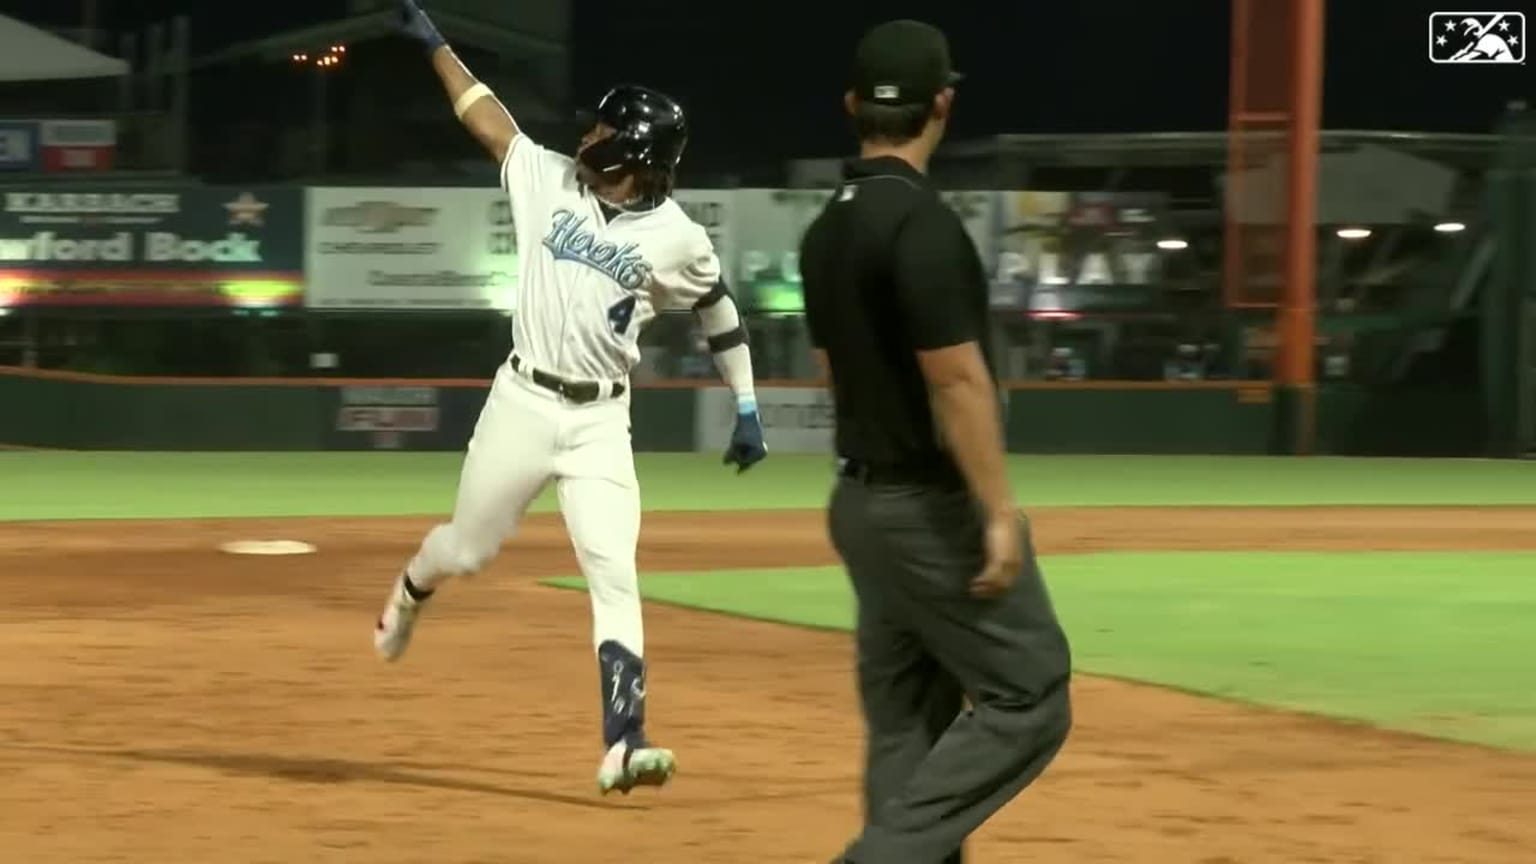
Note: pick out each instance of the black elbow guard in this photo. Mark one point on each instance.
(728, 340)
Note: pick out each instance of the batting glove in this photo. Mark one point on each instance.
(413, 22)
(747, 447)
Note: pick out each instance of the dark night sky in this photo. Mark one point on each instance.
(772, 72)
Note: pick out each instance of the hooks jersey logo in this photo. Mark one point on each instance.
(570, 240)
(1477, 37)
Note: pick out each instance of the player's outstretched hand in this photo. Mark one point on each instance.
(413, 22)
(747, 447)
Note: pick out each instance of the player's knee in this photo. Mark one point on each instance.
(471, 554)
(469, 560)
(458, 553)
(617, 586)
(590, 552)
(620, 563)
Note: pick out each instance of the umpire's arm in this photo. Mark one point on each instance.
(476, 106)
(940, 291)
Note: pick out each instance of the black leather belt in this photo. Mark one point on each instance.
(901, 474)
(580, 392)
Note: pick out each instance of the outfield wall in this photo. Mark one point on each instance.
(93, 412)
(98, 412)
(1042, 417)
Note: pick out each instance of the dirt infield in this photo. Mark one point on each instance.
(164, 702)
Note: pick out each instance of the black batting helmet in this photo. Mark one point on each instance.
(649, 131)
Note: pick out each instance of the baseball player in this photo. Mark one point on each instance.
(603, 248)
(1484, 44)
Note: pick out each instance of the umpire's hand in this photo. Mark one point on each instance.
(746, 448)
(1005, 554)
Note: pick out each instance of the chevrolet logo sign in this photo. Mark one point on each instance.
(379, 217)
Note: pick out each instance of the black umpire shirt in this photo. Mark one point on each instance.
(888, 270)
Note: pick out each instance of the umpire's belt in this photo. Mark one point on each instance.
(580, 392)
(939, 474)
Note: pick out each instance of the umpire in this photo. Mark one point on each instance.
(951, 604)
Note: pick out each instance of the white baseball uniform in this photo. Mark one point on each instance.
(587, 284)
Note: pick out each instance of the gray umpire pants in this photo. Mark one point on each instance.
(936, 769)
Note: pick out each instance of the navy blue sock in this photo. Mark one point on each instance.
(623, 683)
(417, 594)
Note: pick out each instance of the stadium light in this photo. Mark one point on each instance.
(1353, 233)
(1450, 227)
(332, 56)
(1173, 244)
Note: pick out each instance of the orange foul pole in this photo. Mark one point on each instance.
(1298, 305)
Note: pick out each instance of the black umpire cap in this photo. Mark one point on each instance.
(902, 63)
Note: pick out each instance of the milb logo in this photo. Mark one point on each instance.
(1477, 37)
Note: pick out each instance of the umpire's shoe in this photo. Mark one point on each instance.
(392, 633)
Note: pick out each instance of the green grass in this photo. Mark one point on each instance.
(67, 485)
(1436, 643)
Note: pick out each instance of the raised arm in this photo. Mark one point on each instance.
(475, 105)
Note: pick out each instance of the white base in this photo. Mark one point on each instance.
(267, 547)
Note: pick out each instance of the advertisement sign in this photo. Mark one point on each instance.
(174, 247)
(403, 416)
(77, 145)
(18, 146)
(795, 419)
(454, 248)
(1042, 251)
(770, 223)
(385, 416)
(410, 249)
(1077, 251)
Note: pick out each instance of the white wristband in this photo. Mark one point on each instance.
(470, 97)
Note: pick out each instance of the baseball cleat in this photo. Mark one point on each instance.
(624, 768)
(392, 632)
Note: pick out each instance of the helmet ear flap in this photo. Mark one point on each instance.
(608, 156)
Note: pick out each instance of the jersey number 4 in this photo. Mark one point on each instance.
(620, 313)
